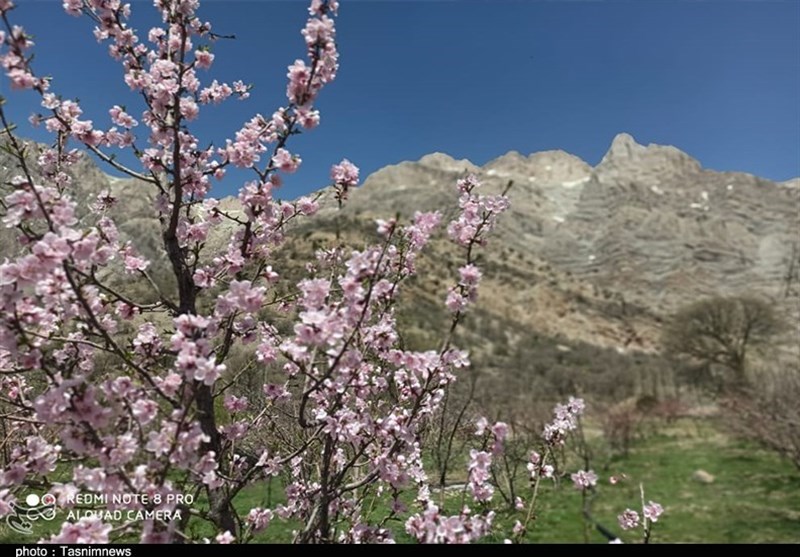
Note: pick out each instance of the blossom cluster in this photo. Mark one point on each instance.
(565, 420)
(144, 397)
(147, 419)
(478, 213)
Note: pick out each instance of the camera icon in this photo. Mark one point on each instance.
(33, 500)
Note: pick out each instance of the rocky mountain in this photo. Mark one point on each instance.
(648, 222)
(589, 254)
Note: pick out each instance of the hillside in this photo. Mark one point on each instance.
(588, 256)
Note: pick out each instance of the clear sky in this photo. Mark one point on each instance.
(718, 79)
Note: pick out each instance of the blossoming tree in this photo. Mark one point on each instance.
(339, 422)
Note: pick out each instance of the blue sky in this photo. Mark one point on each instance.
(718, 79)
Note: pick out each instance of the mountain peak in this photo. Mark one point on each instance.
(443, 161)
(623, 145)
(543, 167)
(628, 161)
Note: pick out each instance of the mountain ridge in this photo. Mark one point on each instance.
(594, 254)
(648, 223)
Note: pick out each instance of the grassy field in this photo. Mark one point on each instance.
(755, 497)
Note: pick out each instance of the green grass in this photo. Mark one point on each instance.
(755, 496)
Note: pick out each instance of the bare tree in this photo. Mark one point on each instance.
(721, 331)
(769, 414)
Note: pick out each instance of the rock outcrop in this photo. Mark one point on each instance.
(597, 254)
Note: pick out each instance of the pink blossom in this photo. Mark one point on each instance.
(203, 58)
(259, 518)
(423, 225)
(125, 447)
(584, 479)
(652, 511)
(470, 275)
(225, 538)
(86, 530)
(345, 173)
(276, 392)
(499, 434)
(431, 526)
(122, 118)
(456, 301)
(307, 117)
(385, 227)
(133, 261)
(299, 75)
(216, 93)
(480, 426)
(22, 79)
(319, 31)
(285, 161)
(235, 404)
(242, 91)
(64, 494)
(478, 215)
(500, 430)
(320, 7)
(565, 421)
(158, 443)
(307, 206)
(203, 278)
(198, 368)
(468, 183)
(629, 519)
(315, 293)
(479, 474)
(189, 108)
(533, 465)
(144, 410)
(170, 384)
(242, 296)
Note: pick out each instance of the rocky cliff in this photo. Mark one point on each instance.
(595, 254)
